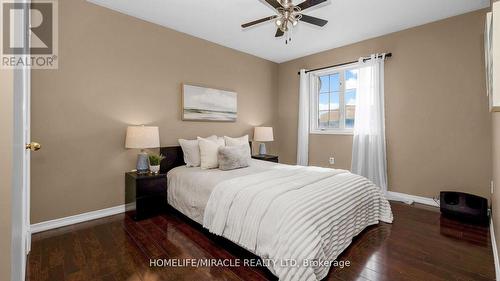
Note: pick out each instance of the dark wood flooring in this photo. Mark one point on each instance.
(419, 245)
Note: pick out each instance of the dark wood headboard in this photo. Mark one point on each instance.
(173, 158)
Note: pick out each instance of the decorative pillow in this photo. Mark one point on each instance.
(241, 141)
(191, 151)
(233, 157)
(208, 152)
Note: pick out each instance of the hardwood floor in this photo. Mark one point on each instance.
(419, 245)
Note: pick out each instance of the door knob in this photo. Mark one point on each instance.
(33, 146)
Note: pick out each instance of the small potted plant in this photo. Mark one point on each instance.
(154, 162)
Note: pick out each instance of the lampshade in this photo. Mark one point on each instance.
(142, 137)
(263, 134)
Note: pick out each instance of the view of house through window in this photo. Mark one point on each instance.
(335, 103)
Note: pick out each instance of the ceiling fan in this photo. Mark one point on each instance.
(288, 16)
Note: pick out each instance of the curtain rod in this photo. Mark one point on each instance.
(387, 55)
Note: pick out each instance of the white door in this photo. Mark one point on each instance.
(21, 237)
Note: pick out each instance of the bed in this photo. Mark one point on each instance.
(297, 219)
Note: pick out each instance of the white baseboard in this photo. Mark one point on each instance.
(409, 199)
(47, 225)
(495, 251)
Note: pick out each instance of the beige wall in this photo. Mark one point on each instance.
(437, 122)
(116, 70)
(6, 144)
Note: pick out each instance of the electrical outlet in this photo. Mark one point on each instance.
(331, 160)
(492, 186)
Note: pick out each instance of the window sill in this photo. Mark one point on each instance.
(332, 132)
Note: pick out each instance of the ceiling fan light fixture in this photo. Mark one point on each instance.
(288, 16)
(284, 27)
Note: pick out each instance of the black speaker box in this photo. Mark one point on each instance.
(464, 207)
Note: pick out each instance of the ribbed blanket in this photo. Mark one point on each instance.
(295, 214)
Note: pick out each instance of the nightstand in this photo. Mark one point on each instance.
(147, 191)
(266, 157)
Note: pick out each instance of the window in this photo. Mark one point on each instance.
(333, 100)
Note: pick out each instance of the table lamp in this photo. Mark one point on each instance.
(142, 137)
(263, 134)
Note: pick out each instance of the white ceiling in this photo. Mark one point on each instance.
(350, 21)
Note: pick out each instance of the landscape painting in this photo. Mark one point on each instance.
(206, 104)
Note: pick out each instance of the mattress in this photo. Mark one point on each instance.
(189, 188)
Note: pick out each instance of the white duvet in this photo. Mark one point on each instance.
(294, 215)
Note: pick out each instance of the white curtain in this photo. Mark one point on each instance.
(303, 126)
(369, 149)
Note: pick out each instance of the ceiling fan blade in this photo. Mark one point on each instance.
(313, 20)
(274, 3)
(279, 33)
(309, 3)
(248, 24)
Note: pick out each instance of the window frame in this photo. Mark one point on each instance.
(314, 100)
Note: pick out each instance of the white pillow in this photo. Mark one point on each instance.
(236, 141)
(241, 141)
(220, 140)
(208, 152)
(191, 151)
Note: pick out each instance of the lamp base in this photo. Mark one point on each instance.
(262, 149)
(142, 163)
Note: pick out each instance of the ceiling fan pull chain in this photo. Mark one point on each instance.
(288, 36)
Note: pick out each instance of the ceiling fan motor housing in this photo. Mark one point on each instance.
(286, 3)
